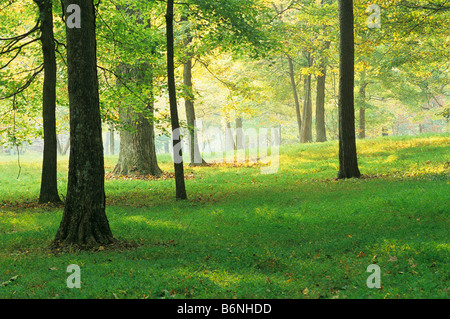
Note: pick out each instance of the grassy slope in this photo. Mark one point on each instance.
(295, 234)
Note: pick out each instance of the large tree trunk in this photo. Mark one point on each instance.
(306, 136)
(49, 185)
(178, 158)
(348, 161)
(137, 145)
(84, 222)
(296, 100)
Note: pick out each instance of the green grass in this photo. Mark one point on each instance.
(298, 233)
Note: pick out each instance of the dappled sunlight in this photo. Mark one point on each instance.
(297, 233)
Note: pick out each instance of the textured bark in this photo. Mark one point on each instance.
(348, 161)
(178, 165)
(49, 185)
(84, 222)
(296, 100)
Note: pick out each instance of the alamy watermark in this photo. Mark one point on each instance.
(374, 280)
(74, 280)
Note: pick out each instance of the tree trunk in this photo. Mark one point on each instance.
(137, 153)
(195, 155)
(348, 161)
(321, 134)
(178, 158)
(49, 185)
(112, 145)
(296, 100)
(84, 222)
(137, 144)
(239, 134)
(362, 109)
(306, 136)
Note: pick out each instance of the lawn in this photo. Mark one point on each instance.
(299, 233)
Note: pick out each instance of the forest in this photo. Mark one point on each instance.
(226, 149)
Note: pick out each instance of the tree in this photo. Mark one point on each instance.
(195, 156)
(178, 158)
(306, 136)
(295, 93)
(14, 46)
(84, 222)
(137, 137)
(49, 186)
(348, 161)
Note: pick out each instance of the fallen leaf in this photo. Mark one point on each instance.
(392, 258)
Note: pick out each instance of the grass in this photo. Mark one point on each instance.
(298, 233)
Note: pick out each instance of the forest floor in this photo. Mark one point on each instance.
(298, 233)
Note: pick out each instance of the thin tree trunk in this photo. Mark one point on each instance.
(362, 109)
(239, 134)
(306, 136)
(84, 222)
(49, 185)
(195, 155)
(178, 162)
(296, 100)
(112, 145)
(321, 134)
(348, 161)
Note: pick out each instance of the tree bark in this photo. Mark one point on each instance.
(49, 184)
(321, 134)
(306, 136)
(296, 100)
(348, 161)
(178, 162)
(239, 134)
(84, 222)
(195, 155)
(112, 145)
(362, 108)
